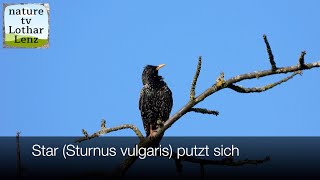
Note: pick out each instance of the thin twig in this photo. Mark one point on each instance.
(19, 169)
(283, 70)
(301, 59)
(202, 170)
(271, 58)
(204, 111)
(229, 161)
(195, 79)
(103, 124)
(178, 165)
(112, 129)
(85, 133)
(220, 80)
(241, 89)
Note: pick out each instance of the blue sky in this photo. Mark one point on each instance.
(92, 69)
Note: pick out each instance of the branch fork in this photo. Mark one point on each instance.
(220, 84)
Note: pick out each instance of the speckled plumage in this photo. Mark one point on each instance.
(155, 99)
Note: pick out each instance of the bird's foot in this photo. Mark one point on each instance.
(152, 132)
(160, 123)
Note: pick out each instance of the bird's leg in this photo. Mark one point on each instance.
(151, 132)
(160, 123)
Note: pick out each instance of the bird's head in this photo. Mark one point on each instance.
(150, 74)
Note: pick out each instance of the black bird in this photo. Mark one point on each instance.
(155, 102)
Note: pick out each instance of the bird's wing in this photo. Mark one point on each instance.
(165, 102)
(141, 98)
(142, 108)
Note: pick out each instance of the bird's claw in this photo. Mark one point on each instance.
(151, 136)
(152, 132)
(160, 123)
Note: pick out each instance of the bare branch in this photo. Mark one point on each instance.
(282, 70)
(127, 163)
(124, 166)
(220, 80)
(103, 124)
(19, 167)
(204, 111)
(112, 129)
(229, 161)
(271, 58)
(219, 85)
(85, 133)
(178, 165)
(195, 79)
(241, 89)
(301, 59)
(213, 89)
(202, 170)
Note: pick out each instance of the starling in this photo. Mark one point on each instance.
(155, 102)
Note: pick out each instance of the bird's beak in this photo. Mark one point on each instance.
(160, 66)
